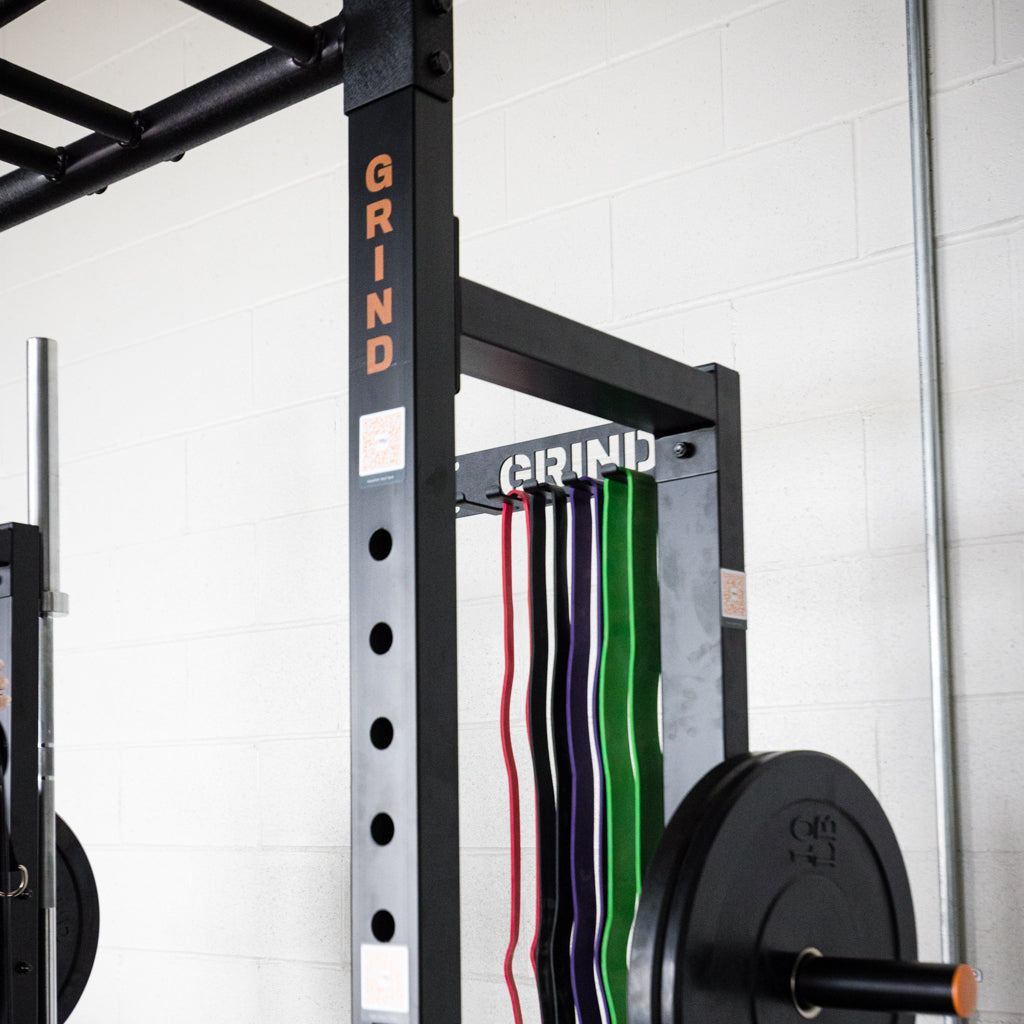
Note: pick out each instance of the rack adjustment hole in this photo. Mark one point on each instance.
(381, 638)
(382, 828)
(382, 732)
(383, 926)
(380, 544)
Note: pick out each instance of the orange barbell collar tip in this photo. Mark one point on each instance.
(965, 991)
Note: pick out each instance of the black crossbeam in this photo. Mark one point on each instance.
(509, 342)
(11, 9)
(214, 107)
(33, 156)
(26, 86)
(266, 23)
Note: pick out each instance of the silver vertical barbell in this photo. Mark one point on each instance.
(44, 512)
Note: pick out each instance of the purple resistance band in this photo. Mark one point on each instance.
(586, 873)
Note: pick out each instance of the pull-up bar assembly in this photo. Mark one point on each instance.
(305, 60)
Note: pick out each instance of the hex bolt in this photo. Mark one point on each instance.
(440, 63)
(683, 449)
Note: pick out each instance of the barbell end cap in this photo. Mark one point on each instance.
(964, 991)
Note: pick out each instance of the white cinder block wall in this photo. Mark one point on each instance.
(720, 180)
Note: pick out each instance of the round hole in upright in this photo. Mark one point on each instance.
(380, 544)
(383, 926)
(381, 638)
(382, 828)
(382, 732)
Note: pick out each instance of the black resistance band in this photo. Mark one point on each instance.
(561, 929)
(537, 730)
(579, 707)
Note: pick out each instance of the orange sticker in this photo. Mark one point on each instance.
(734, 594)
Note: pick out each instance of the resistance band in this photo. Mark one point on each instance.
(586, 896)
(628, 714)
(562, 922)
(550, 952)
(506, 749)
(600, 818)
(579, 705)
(537, 731)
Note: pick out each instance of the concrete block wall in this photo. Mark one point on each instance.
(719, 180)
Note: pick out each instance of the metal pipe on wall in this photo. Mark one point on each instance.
(44, 512)
(947, 810)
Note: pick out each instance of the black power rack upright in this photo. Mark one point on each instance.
(21, 587)
(414, 326)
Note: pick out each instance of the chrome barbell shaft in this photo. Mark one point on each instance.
(44, 512)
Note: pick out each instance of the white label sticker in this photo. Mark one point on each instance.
(384, 973)
(734, 594)
(382, 442)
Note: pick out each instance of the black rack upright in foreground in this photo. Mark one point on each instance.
(413, 326)
(21, 576)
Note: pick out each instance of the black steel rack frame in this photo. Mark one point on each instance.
(21, 589)
(414, 327)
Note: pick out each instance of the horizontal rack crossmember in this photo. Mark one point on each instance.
(34, 156)
(512, 343)
(27, 87)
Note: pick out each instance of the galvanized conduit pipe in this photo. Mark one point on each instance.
(947, 812)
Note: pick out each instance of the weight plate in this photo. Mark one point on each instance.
(78, 920)
(647, 945)
(768, 855)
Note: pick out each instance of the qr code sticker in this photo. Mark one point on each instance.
(382, 442)
(384, 974)
(734, 594)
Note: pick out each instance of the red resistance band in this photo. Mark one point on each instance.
(506, 749)
(550, 950)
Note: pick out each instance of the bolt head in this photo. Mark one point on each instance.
(683, 449)
(440, 63)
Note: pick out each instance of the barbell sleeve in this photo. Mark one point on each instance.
(883, 985)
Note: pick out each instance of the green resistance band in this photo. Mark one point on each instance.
(628, 714)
